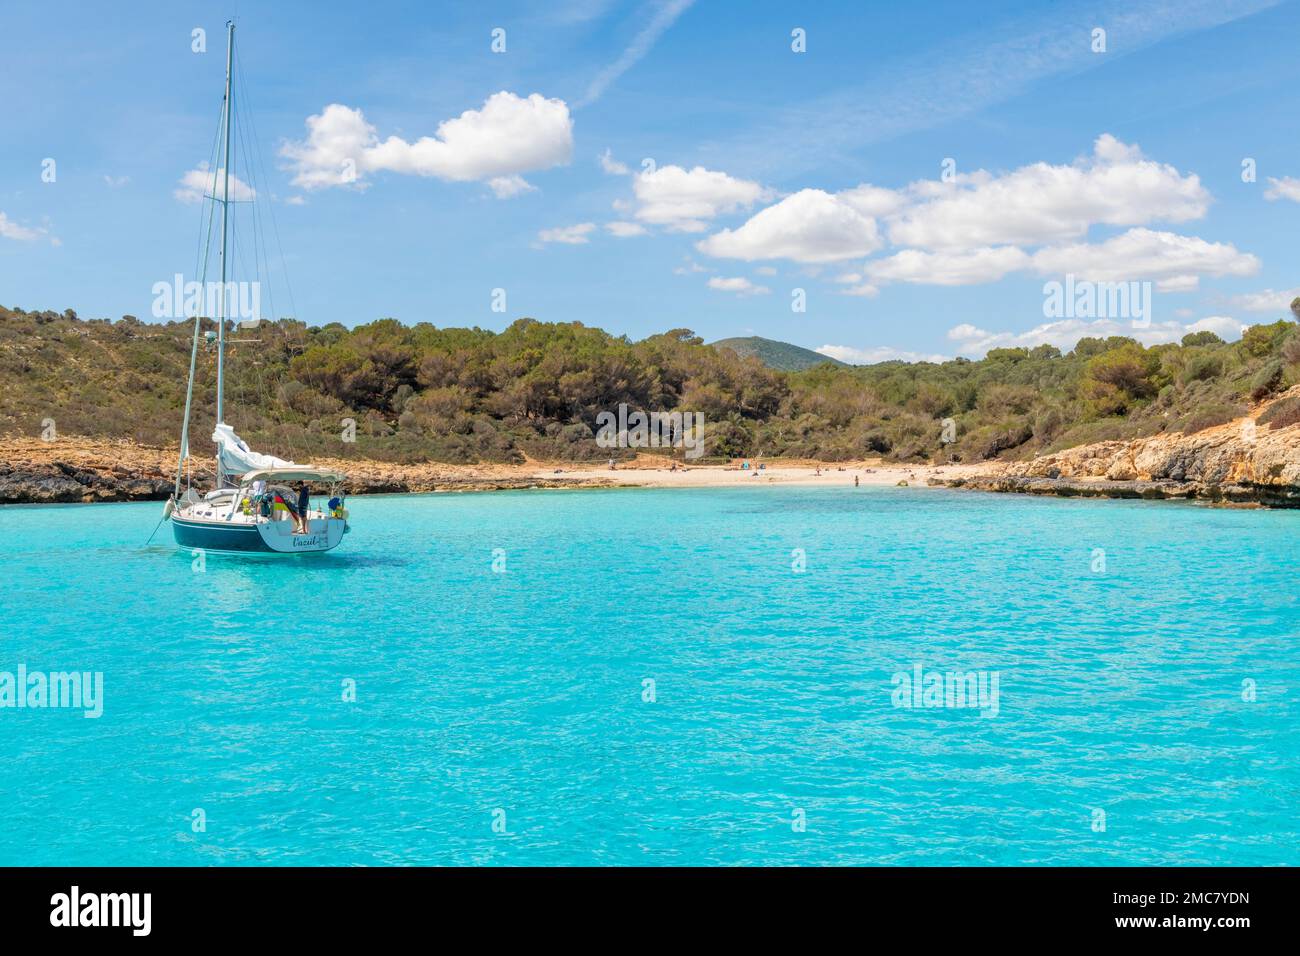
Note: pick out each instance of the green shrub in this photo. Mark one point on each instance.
(1266, 381)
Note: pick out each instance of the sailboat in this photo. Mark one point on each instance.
(253, 507)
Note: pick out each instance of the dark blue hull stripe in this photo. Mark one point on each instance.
(214, 537)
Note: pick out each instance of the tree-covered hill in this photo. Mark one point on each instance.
(781, 356)
(465, 394)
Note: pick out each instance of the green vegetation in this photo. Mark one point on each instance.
(781, 356)
(453, 394)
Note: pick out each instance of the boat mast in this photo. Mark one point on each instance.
(225, 216)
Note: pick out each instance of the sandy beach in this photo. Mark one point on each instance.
(651, 472)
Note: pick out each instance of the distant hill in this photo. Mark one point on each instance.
(781, 356)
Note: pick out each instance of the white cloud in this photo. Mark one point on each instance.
(739, 285)
(874, 201)
(508, 136)
(1043, 203)
(808, 226)
(879, 353)
(295, 201)
(681, 200)
(1224, 326)
(1269, 300)
(1172, 260)
(625, 230)
(611, 165)
(507, 187)
(201, 181)
(690, 268)
(664, 17)
(765, 271)
(948, 268)
(116, 182)
(864, 289)
(11, 230)
(575, 235)
(1285, 188)
(1065, 333)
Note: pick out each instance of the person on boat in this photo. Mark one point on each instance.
(304, 504)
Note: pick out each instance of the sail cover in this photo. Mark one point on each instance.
(236, 457)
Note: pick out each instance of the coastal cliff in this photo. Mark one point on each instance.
(1252, 460)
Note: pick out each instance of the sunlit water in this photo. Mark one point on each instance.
(519, 698)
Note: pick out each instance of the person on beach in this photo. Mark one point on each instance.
(855, 481)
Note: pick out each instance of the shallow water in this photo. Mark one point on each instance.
(517, 698)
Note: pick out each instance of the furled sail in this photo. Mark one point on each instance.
(236, 458)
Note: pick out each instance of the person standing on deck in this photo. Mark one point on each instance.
(304, 502)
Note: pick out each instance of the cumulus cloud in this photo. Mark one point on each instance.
(1268, 300)
(808, 226)
(1044, 203)
(201, 182)
(575, 235)
(1285, 188)
(509, 135)
(949, 268)
(739, 285)
(1065, 333)
(1174, 261)
(681, 200)
(874, 201)
(625, 230)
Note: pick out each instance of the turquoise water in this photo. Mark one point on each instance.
(516, 698)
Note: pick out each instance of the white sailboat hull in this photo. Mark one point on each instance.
(243, 535)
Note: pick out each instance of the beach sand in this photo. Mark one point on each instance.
(652, 472)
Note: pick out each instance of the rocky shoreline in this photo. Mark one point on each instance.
(1242, 462)
(1248, 495)
(77, 470)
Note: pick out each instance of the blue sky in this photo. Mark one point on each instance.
(439, 170)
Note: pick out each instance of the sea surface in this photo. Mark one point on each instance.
(662, 677)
